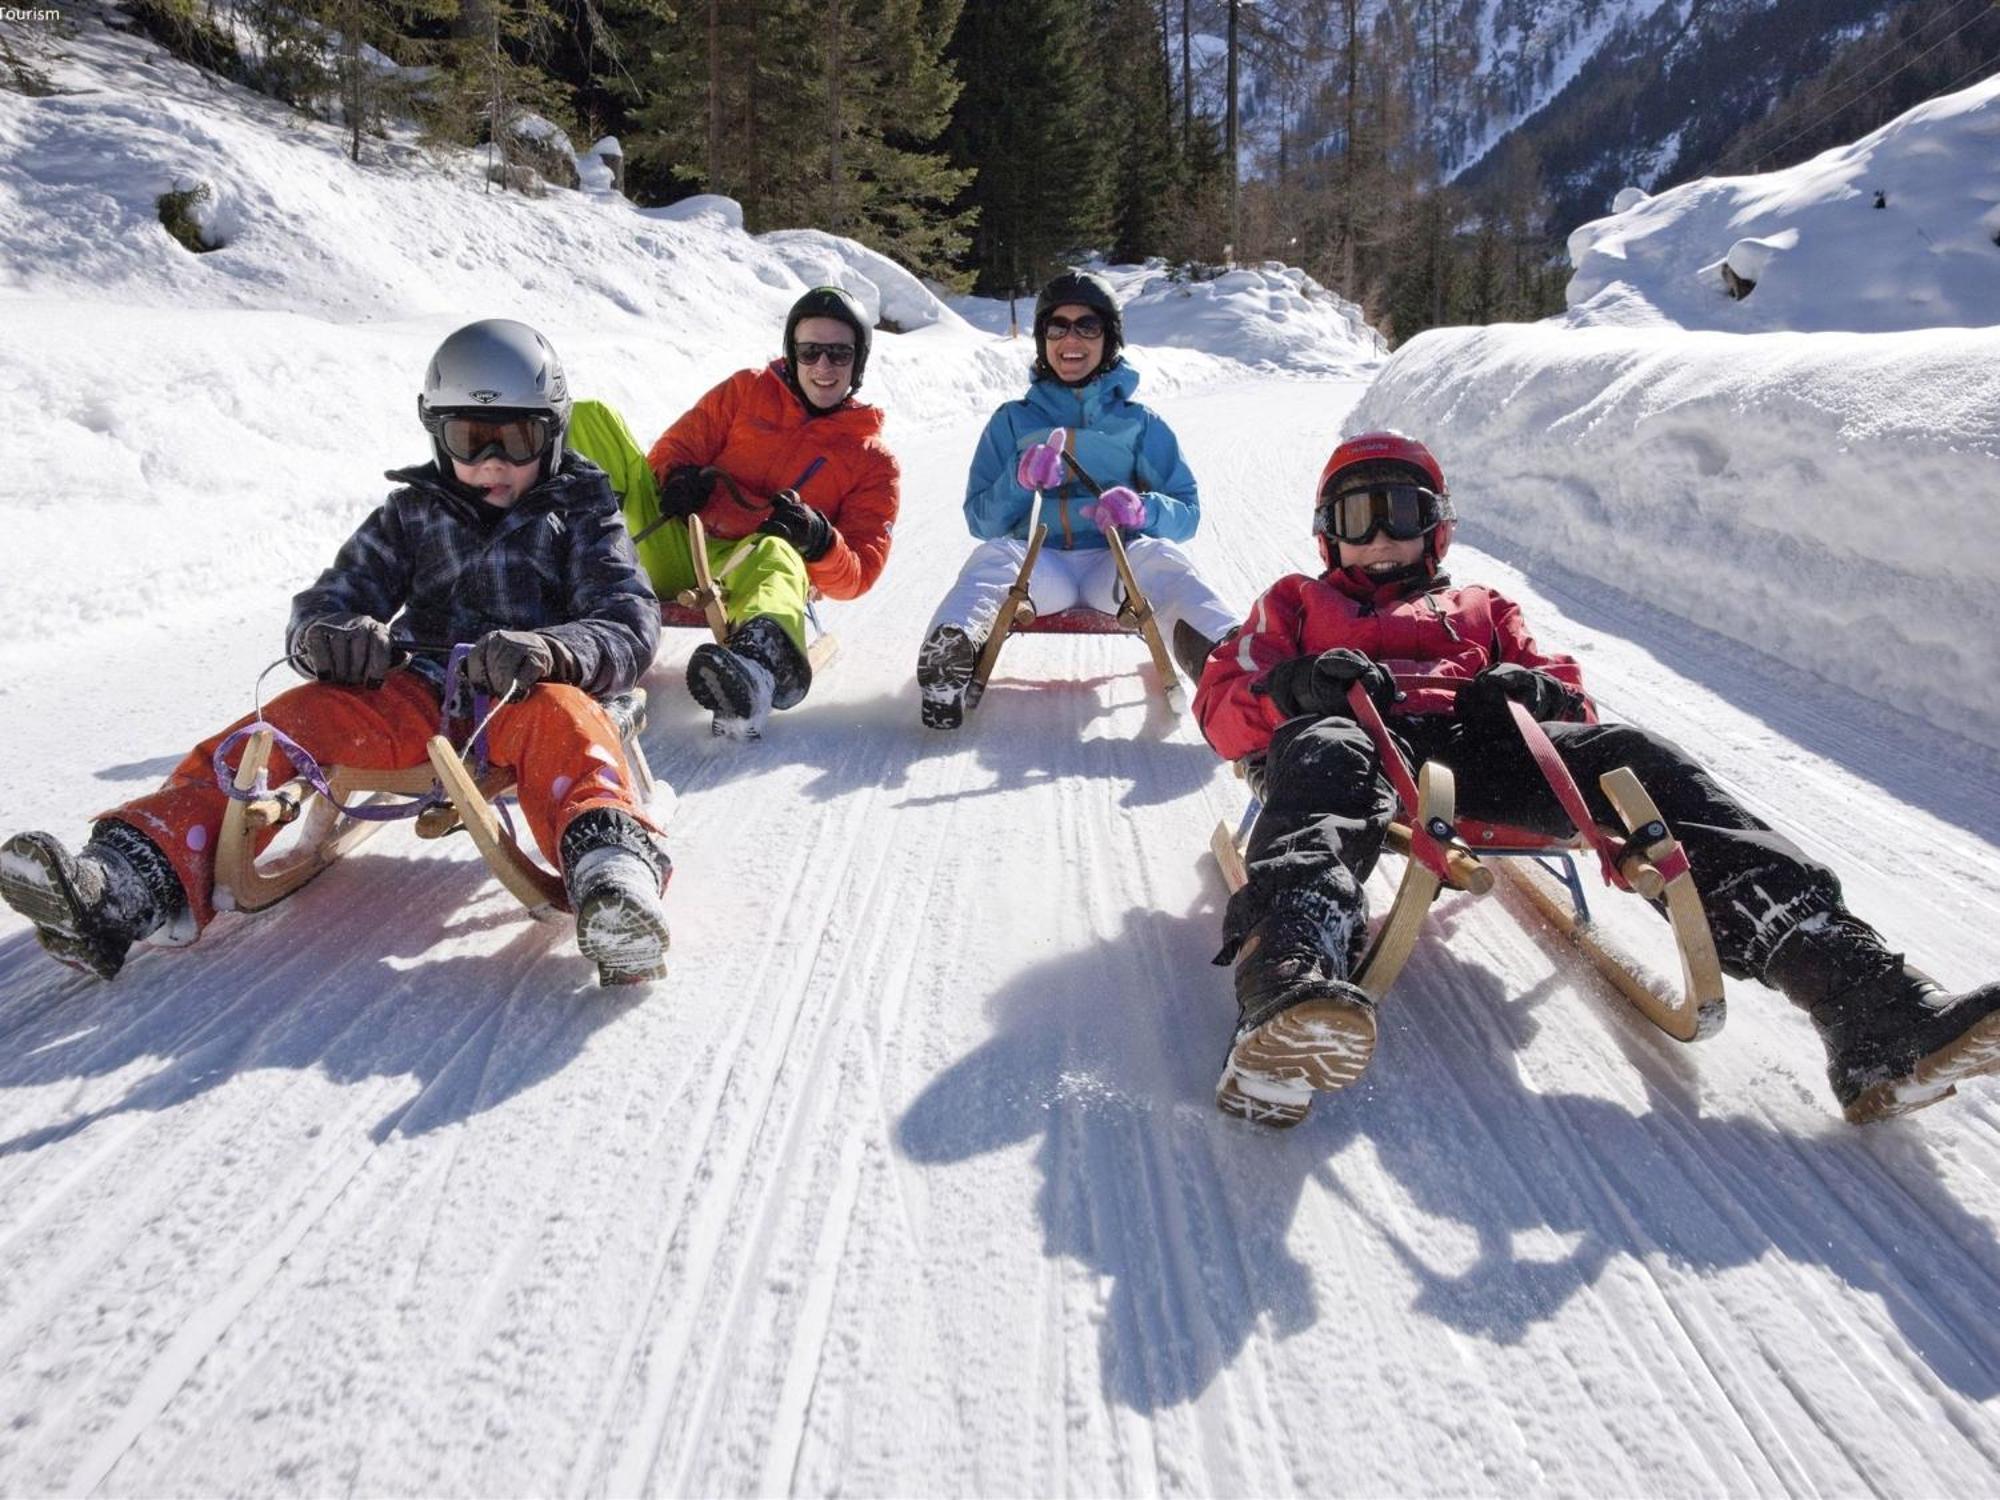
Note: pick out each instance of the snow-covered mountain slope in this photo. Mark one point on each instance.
(907, 1179)
(1602, 96)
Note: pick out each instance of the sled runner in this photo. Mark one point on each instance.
(443, 796)
(1017, 617)
(701, 607)
(1441, 849)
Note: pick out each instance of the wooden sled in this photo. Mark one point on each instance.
(1441, 851)
(244, 881)
(702, 606)
(1017, 617)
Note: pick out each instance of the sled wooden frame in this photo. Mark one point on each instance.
(1017, 616)
(702, 605)
(247, 883)
(1438, 854)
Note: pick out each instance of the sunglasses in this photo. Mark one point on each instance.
(1089, 326)
(471, 439)
(840, 355)
(1402, 510)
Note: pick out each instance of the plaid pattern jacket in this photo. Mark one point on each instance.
(559, 561)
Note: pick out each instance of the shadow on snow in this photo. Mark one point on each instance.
(314, 985)
(1186, 1213)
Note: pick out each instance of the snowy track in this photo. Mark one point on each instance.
(908, 1179)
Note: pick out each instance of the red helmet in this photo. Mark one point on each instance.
(1388, 447)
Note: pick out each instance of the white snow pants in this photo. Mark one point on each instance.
(1084, 576)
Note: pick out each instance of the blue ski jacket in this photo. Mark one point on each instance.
(1114, 438)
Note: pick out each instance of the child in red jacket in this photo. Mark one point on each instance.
(1275, 697)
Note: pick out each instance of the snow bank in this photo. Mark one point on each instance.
(1273, 317)
(1826, 498)
(1822, 254)
(1809, 469)
(1270, 317)
(891, 296)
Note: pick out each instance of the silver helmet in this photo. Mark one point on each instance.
(491, 368)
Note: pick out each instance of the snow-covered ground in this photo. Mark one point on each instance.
(907, 1179)
(1810, 470)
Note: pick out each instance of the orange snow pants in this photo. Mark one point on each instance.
(558, 741)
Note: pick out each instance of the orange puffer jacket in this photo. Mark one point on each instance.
(755, 429)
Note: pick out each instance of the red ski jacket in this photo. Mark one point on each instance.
(755, 428)
(1425, 629)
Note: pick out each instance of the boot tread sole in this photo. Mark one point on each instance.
(46, 896)
(628, 945)
(944, 681)
(34, 883)
(1318, 1045)
(1935, 1076)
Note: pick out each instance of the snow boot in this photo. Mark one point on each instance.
(1300, 1025)
(759, 670)
(616, 875)
(1895, 1041)
(90, 908)
(1192, 649)
(945, 664)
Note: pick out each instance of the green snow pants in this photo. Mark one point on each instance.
(771, 579)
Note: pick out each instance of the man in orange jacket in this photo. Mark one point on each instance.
(807, 474)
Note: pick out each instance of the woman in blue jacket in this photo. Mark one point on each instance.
(1083, 386)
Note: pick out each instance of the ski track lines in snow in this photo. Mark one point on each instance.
(909, 1179)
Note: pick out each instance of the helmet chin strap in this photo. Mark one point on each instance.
(1408, 572)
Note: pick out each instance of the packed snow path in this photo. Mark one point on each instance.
(908, 1179)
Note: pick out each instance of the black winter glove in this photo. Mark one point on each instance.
(1487, 694)
(684, 491)
(512, 661)
(799, 524)
(353, 650)
(1317, 685)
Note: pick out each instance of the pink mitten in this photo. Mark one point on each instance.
(1118, 508)
(1041, 467)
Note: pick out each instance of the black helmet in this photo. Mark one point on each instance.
(829, 302)
(1085, 289)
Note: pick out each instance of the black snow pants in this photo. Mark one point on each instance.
(1327, 808)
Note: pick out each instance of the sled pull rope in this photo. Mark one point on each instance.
(308, 769)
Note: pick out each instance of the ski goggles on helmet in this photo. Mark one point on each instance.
(1404, 511)
(473, 437)
(1089, 326)
(840, 356)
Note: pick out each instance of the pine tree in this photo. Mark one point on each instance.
(359, 30)
(599, 55)
(496, 78)
(890, 88)
(1145, 175)
(1031, 121)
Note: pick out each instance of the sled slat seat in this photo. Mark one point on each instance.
(1078, 619)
